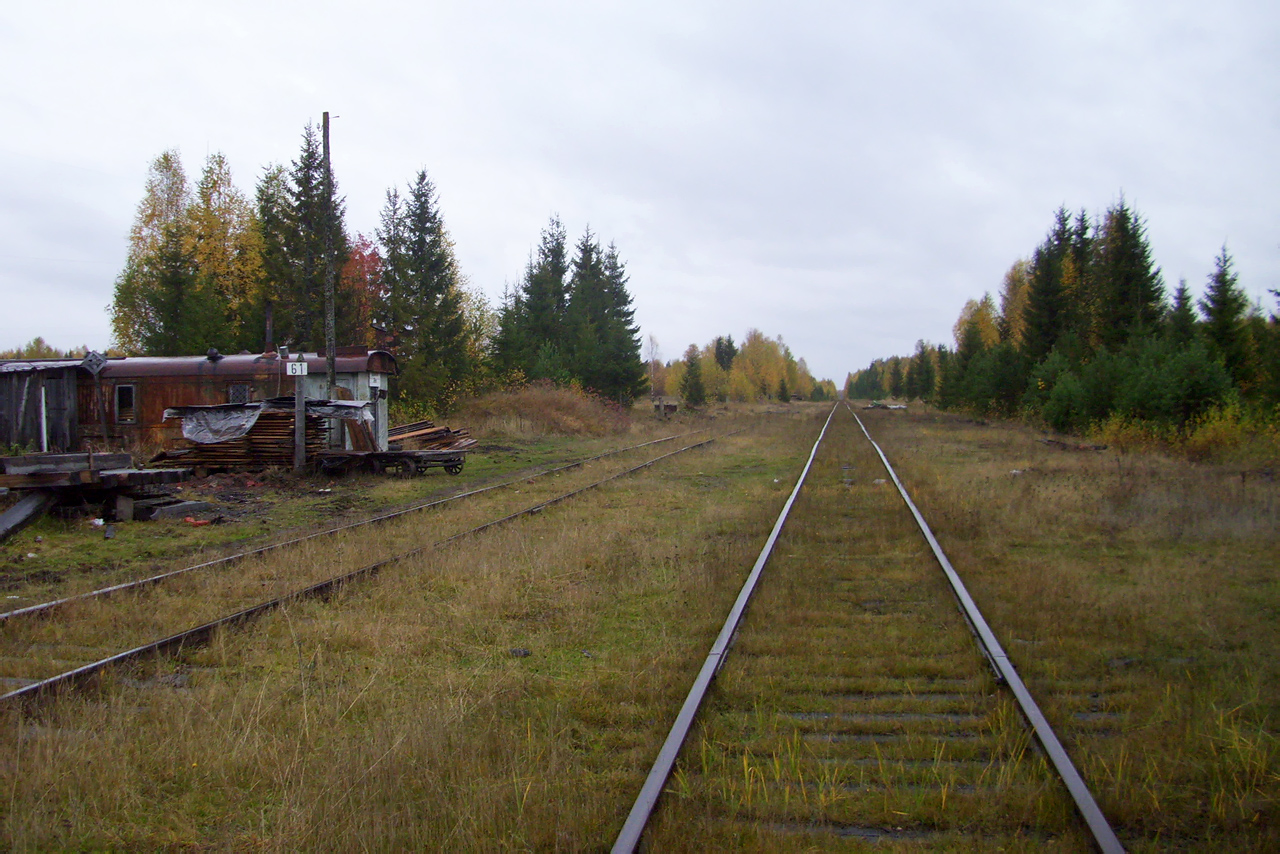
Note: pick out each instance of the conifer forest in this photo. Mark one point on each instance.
(1085, 337)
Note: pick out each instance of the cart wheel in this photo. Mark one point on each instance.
(453, 468)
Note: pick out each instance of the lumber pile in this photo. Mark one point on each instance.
(268, 443)
(56, 471)
(426, 436)
(73, 480)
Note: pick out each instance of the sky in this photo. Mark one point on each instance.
(844, 175)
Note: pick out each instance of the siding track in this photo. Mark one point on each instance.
(856, 709)
(44, 608)
(56, 640)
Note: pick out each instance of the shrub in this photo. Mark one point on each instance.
(543, 408)
(1229, 431)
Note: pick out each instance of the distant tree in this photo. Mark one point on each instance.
(138, 305)
(691, 389)
(38, 348)
(314, 226)
(897, 378)
(725, 351)
(546, 289)
(922, 378)
(361, 276)
(1046, 315)
(532, 325)
(1013, 302)
(422, 307)
(1225, 307)
(1181, 324)
(603, 340)
(982, 313)
(271, 206)
(225, 245)
(1130, 291)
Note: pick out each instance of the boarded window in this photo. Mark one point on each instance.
(126, 405)
(238, 393)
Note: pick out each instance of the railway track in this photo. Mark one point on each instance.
(57, 644)
(226, 560)
(859, 705)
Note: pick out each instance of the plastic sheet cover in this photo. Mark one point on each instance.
(207, 425)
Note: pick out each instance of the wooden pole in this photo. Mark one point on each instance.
(330, 336)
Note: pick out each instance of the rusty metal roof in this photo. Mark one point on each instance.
(17, 366)
(243, 365)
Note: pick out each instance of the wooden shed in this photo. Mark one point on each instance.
(38, 402)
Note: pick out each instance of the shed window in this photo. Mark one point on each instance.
(126, 405)
(238, 393)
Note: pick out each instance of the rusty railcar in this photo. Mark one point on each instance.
(124, 404)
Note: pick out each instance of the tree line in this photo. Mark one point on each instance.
(1085, 332)
(209, 267)
(762, 368)
(571, 320)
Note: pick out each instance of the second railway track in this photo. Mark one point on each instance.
(68, 640)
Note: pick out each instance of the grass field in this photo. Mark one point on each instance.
(509, 692)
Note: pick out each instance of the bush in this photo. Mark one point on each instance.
(1172, 384)
(543, 408)
(1152, 380)
(1229, 431)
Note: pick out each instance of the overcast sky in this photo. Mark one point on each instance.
(842, 174)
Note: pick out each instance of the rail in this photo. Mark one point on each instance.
(44, 607)
(1103, 835)
(629, 837)
(201, 633)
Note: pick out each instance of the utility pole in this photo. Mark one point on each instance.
(330, 336)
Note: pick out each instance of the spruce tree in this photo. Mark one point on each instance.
(691, 389)
(725, 351)
(313, 209)
(271, 206)
(1129, 288)
(1225, 307)
(422, 296)
(1046, 314)
(544, 292)
(1181, 324)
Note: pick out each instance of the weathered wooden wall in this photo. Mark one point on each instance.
(20, 409)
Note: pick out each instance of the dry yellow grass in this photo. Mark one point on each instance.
(396, 716)
(1146, 580)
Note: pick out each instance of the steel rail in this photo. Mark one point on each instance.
(1103, 835)
(629, 836)
(45, 607)
(201, 633)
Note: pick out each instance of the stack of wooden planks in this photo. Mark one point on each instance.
(268, 443)
(426, 436)
(45, 480)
